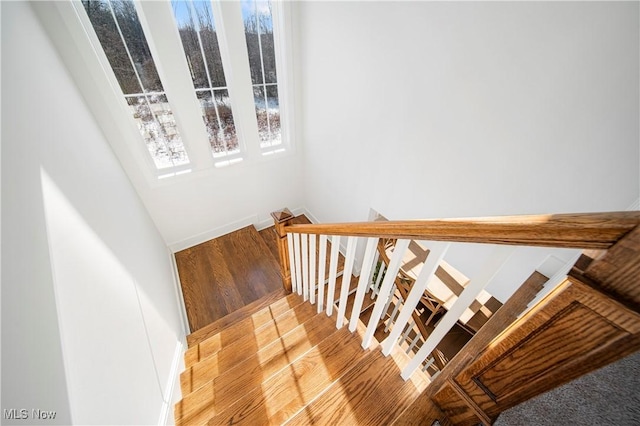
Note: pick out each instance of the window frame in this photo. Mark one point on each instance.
(166, 47)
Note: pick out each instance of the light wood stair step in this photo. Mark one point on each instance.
(233, 332)
(233, 318)
(224, 390)
(371, 393)
(295, 386)
(212, 365)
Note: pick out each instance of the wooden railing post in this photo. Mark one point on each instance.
(283, 218)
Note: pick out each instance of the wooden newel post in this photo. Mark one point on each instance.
(283, 218)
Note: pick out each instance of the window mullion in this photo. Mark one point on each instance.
(283, 44)
(235, 60)
(164, 41)
(264, 80)
(144, 93)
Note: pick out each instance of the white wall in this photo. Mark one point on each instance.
(195, 210)
(90, 322)
(446, 109)
(187, 209)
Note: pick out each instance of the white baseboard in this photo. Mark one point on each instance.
(310, 216)
(263, 224)
(635, 206)
(173, 390)
(227, 229)
(211, 234)
(179, 297)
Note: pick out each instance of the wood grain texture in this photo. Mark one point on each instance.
(246, 314)
(294, 387)
(431, 413)
(455, 407)
(270, 237)
(571, 332)
(223, 275)
(584, 230)
(218, 394)
(371, 393)
(516, 304)
(237, 351)
(281, 219)
(618, 272)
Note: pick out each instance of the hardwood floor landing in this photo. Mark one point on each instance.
(225, 274)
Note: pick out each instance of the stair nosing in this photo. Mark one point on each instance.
(302, 355)
(364, 353)
(313, 317)
(292, 296)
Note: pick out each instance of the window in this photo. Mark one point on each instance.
(220, 67)
(258, 29)
(125, 45)
(200, 43)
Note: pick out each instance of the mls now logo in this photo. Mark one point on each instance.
(23, 414)
(14, 413)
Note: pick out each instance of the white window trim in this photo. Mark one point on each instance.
(156, 17)
(166, 48)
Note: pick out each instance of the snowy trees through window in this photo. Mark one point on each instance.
(121, 34)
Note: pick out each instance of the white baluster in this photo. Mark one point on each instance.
(468, 295)
(389, 300)
(553, 282)
(408, 330)
(385, 290)
(296, 245)
(322, 262)
(393, 314)
(370, 282)
(292, 264)
(428, 364)
(376, 286)
(333, 268)
(352, 243)
(413, 343)
(312, 268)
(363, 283)
(437, 250)
(305, 266)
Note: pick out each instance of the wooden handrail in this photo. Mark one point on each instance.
(580, 230)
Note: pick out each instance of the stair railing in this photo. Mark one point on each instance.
(297, 249)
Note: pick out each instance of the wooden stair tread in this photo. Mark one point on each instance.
(376, 394)
(224, 390)
(212, 365)
(240, 329)
(294, 387)
(235, 317)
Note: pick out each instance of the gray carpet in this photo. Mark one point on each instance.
(609, 396)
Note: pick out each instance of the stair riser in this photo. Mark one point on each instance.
(285, 394)
(232, 354)
(218, 394)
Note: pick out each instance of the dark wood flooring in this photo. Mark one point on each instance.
(228, 278)
(226, 274)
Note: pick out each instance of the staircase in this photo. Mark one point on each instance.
(287, 364)
(289, 357)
